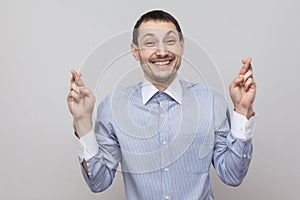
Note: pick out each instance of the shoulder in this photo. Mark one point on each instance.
(121, 96)
(204, 94)
(199, 89)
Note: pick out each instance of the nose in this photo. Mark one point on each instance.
(161, 51)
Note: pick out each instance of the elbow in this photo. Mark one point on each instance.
(234, 180)
(97, 190)
(234, 183)
(100, 183)
(233, 176)
(98, 187)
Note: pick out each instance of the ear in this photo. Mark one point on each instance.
(182, 46)
(135, 52)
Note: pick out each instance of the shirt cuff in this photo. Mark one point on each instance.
(87, 146)
(241, 127)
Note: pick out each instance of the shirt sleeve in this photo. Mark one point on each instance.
(87, 146)
(241, 127)
(100, 150)
(233, 144)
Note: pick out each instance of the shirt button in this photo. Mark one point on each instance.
(244, 156)
(161, 95)
(162, 115)
(89, 173)
(164, 142)
(167, 197)
(166, 169)
(81, 150)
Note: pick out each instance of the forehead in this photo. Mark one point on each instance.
(156, 28)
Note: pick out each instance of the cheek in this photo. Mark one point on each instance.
(177, 50)
(145, 54)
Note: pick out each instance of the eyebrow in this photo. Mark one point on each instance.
(148, 34)
(170, 32)
(152, 35)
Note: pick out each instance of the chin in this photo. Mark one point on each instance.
(163, 79)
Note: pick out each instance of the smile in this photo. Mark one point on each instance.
(162, 62)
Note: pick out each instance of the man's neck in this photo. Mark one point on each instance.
(162, 86)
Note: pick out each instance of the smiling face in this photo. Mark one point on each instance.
(159, 51)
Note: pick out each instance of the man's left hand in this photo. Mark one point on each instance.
(243, 89)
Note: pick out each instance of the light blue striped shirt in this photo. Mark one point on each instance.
(166, 142)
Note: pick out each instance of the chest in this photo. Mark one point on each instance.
(163, 132)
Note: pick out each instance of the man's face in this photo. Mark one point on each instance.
(159, 51)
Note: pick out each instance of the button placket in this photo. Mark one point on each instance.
(164, 139)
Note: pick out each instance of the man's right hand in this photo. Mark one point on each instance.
(81, 101)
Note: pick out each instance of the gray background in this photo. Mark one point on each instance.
(41, 41)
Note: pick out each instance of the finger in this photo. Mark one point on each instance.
(79, 82)
(249, 74)
(86, 92)
(248, 84)
(75, 88)
(246, 66)
(248, 60)
(75, 80)
(74, 74)
(75, 97)
(237, 81)
(245, 60)
(69, 98)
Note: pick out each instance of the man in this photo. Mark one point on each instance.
(165, 132)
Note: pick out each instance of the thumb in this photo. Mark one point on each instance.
(238, 81)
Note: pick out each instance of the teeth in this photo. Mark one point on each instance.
(162, 62)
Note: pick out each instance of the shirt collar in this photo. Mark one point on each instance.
(174, 90)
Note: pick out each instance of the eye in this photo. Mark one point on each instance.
(170, 41)
(149, 43)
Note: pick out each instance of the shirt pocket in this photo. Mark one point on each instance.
(197, 156)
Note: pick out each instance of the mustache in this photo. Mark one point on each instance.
(162, 57)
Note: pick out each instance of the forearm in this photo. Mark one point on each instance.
(97, 175)
(233, 159)
(98, 160)
(233, 147)
(82, 127)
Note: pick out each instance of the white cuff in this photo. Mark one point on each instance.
(87, 146)
(241, 127)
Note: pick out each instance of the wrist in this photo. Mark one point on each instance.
(82, 126)
(247, 112)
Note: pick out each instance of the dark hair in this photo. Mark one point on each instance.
(155, 15)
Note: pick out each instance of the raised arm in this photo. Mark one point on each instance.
(81, 103)
(99, 153)
(233, 147)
